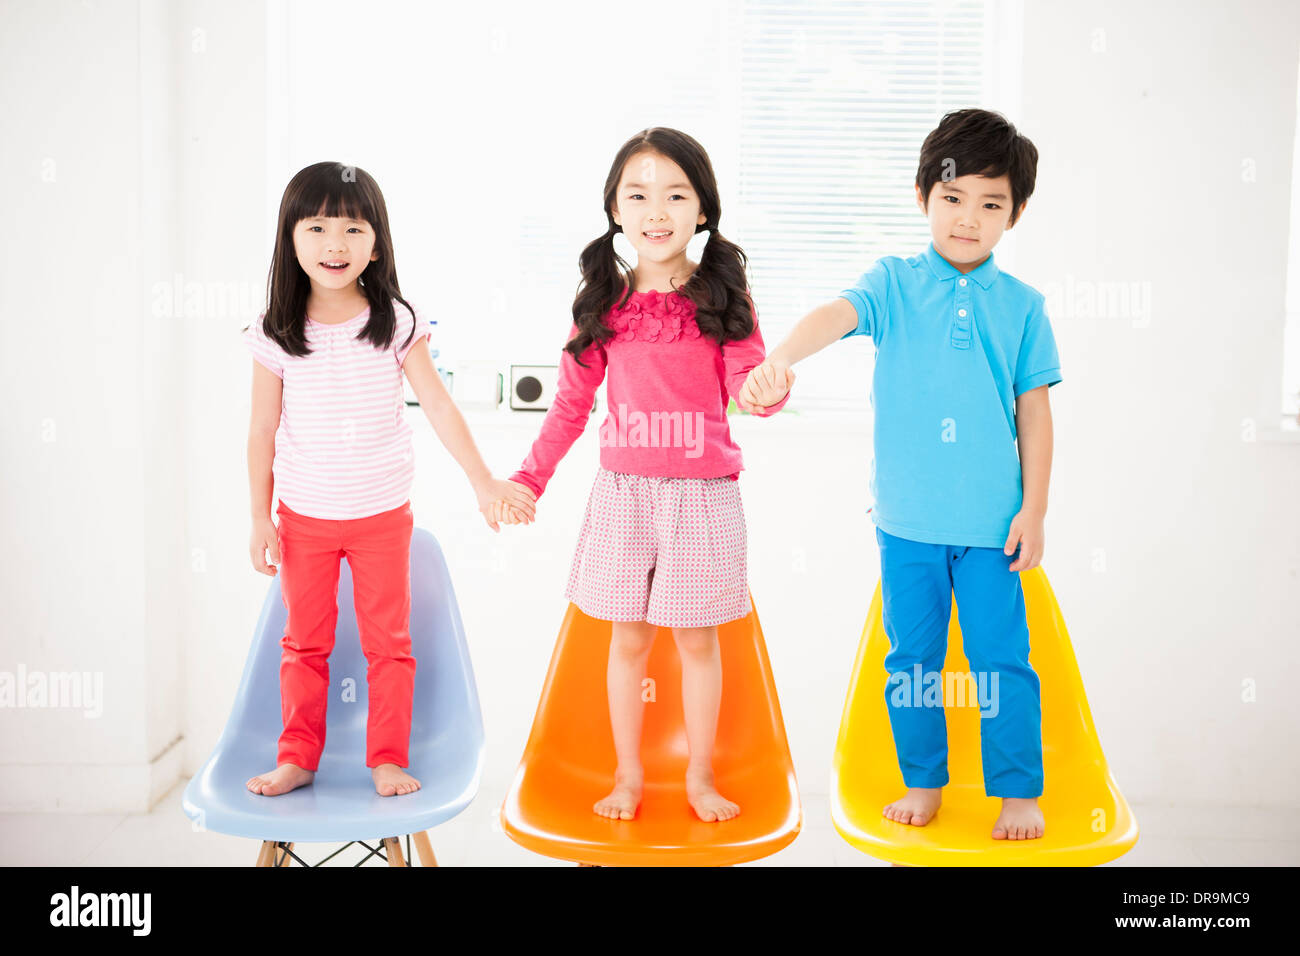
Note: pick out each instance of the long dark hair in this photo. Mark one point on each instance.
(717, 287)
(331, 190)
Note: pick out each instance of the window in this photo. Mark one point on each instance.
(490, 129)
(836, 99)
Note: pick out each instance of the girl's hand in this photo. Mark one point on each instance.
(765, 385)
(502, 512)
(265, 537)
(1027, 530)
(515, 495)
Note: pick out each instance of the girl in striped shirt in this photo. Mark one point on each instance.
(329, 432)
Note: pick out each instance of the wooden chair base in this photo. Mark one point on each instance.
(280, 853)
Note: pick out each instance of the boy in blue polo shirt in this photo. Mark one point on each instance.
(964, 359)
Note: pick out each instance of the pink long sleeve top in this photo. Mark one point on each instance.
(667, 396)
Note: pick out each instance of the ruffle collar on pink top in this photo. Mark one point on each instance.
(654, 317)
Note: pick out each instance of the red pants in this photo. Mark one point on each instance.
(378, 549)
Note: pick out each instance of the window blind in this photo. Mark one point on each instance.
(835, 101)
(812, 112)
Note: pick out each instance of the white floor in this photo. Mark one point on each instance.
(1171, 836)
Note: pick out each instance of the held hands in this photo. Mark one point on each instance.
(504, 513)
(266, 537)
(766, 385)
(505, 502)
(1027, 529)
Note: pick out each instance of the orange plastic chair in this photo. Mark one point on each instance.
(1087, 819)
(568, 763)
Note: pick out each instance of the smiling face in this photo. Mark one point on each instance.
(320, 243)
(967, 217)
(657, 208)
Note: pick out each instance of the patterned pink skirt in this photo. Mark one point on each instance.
(670, 551)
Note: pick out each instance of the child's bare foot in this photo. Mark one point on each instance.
(1020, 819)
(391, 780)
(282, 779)
(623, 800)
(708, 804)
(917, 807)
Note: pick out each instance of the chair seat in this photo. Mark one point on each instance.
(568, 763)
(341, 805)
(1087, 819)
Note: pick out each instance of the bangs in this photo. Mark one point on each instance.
(328, 196)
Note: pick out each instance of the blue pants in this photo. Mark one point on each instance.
(917, 582)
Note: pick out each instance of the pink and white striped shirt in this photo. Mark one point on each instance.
(343, 446)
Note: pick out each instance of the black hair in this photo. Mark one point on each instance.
(981, 143)
(718, 287)
(331, 190)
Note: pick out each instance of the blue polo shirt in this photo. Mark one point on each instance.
(953, 351)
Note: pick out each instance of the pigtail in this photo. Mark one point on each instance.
(720, 291)
(603, 284)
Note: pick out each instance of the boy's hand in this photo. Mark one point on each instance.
(516, 496)
(1027, 530)
(765, 385)
(265, 537)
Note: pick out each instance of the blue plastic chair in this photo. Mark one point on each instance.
(341, 805)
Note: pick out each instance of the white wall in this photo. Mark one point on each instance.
(125, 509)
(95, 572)
(1144, 115)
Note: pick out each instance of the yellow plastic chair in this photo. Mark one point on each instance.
(568, 763)
(1087, 819)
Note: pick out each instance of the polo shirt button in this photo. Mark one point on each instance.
(961, 311)
(961, 281)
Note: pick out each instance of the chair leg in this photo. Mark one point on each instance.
(394, 850)
(425, 849)
(266, 854)
(284, 859)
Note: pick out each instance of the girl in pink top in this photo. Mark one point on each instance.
(329, 432)
(663, 538)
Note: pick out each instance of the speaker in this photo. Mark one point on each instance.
(532, 387)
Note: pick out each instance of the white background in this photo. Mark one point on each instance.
(133, 160)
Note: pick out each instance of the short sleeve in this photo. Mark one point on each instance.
(423, 329)
(264, 349)
(870, 297)
(1037, 363)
